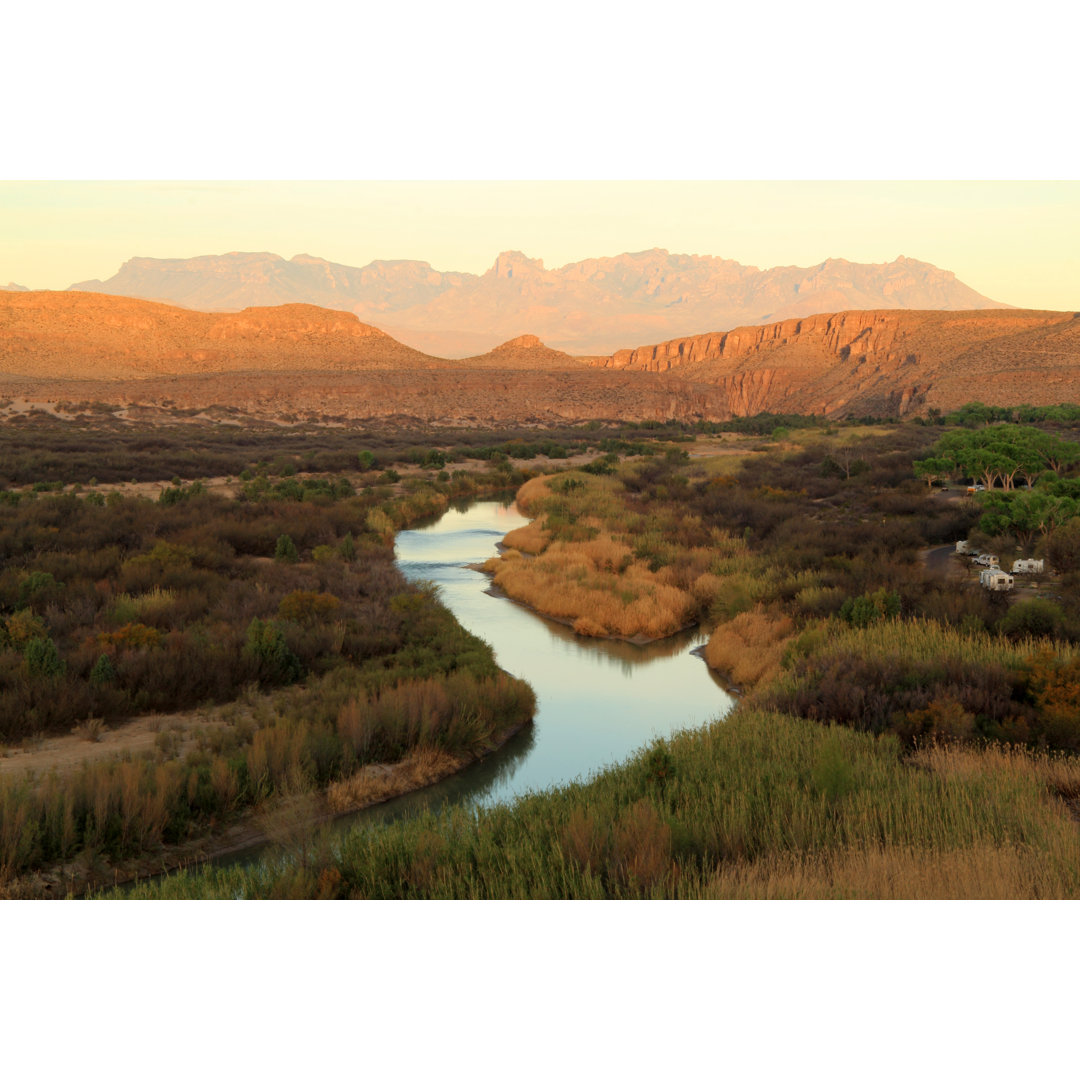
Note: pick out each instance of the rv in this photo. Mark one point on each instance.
(1028, 566)
(986, 560)
(996, 580)
(964, 548)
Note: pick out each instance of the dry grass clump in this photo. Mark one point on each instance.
(750, 647)
(1060, 773)
(530, 538)
(532, 493)
(633, 852)
(377, 783)
(983, 872)
(567, 583)
(91, 729)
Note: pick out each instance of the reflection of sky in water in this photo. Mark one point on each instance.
(598, 701)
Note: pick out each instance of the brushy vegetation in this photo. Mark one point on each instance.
(112, 608)
(761, 805)
(902, 735)
(601, 565)
(119, 809)
(39, 449)
(804, 558)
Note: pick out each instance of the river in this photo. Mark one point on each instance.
(598, 701)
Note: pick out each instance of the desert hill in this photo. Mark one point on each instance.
(528, 353)
(590, 307)
(86, 335)
(84, 346)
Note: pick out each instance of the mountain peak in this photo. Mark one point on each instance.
(510, 264)
(523, 341)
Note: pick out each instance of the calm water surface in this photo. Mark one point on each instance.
(597, 701)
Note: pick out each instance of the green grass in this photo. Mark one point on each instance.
(743, 807)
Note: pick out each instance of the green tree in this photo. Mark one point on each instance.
(266, 645)
(285, 550)
(41, 658)
(103, 673)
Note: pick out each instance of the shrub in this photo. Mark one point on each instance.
(301, 606)
(1031, 618)
(41, 658)
(285, 549)
(103, 673)
(870, 608)
(266, 646)
(23, 627)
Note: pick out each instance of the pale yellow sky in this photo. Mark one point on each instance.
(1016, 242)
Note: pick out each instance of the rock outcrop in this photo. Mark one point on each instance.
(880, 362)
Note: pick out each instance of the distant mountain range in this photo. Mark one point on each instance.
(592, 307)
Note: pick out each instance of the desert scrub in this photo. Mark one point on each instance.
(760, 805)
(918, 678)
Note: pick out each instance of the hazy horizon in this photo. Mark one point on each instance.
(1015, 242)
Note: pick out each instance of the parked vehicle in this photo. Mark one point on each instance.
(1029, 566)
(986, 560)
(964, 548)
(996, 580)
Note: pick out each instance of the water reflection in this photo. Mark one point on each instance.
(598, 701)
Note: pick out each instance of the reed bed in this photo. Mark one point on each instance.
(925, 640)
(763, 805)
(750, 648)
(124, 808)
(594, 585)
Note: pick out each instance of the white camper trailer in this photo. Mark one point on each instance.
(963, 548)
(1028, 566)
(996, 580)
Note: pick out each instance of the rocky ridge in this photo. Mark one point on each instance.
(594, 306)
(84, 346)
(887, 362)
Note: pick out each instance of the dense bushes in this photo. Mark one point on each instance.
(919, 679)
(136, 605)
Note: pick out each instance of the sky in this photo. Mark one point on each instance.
(1017, 242)
(771, 134)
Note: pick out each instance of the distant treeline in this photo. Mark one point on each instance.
(45, 450)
